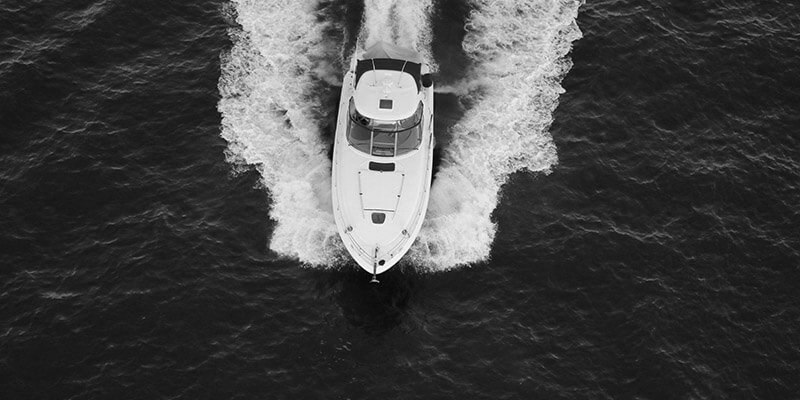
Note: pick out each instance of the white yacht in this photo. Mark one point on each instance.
(383, 155)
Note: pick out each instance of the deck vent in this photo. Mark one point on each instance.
(385, 104)
(378, 218)
(382, 167)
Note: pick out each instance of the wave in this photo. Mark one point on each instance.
(274, 103)
(519, 53)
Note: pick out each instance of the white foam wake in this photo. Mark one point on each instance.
(402, 22)
(271, 119)
(519, 52)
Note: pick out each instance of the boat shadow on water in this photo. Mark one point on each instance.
(374, 308)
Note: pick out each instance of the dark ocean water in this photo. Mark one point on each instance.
(659, 259)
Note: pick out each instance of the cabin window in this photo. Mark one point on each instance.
(384, 138)
(382, 167)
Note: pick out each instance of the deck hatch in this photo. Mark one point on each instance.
(379, 191)
(378, 218)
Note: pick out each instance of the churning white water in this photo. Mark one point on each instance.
(271, 119)
(272, 114)
(402, 22)
(519, 50)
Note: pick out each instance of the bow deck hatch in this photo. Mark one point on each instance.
(380, 190)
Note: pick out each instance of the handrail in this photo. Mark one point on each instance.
(394, 150)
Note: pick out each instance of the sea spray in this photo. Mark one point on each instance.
(271, 117)
(519, 53)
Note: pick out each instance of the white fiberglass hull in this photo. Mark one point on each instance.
(379, 202)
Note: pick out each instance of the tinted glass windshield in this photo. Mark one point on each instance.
(384, 138)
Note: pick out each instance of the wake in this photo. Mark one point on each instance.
(273, 106)
(519, 49)
(271, 120)
(402, 22)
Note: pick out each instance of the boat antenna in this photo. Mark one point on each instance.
(374, 74)
(375, 267)
(399, 78)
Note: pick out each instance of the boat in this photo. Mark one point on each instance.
(383, 155)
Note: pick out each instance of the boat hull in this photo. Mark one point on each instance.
(379, 203)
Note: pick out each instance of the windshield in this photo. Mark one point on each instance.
(384, 138)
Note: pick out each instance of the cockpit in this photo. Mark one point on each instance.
(384, 138)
